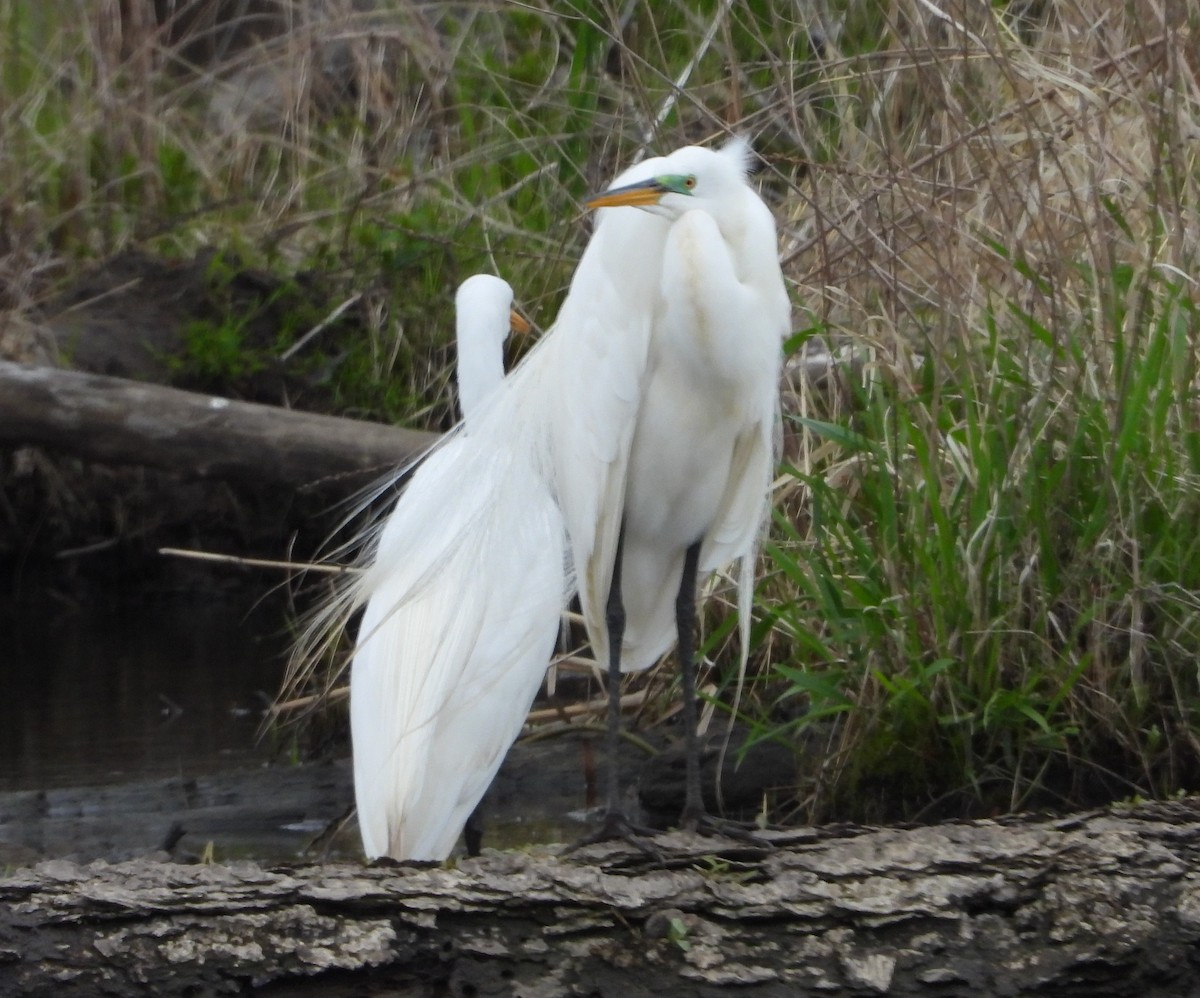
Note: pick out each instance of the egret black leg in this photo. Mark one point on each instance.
(614, 622)
(473, 831)
(616, 825)
(694, 817)
(685, 624)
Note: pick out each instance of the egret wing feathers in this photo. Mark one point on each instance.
(463, 594)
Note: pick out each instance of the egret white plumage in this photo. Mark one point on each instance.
(668, 350)
(483, 317)
(453, 642)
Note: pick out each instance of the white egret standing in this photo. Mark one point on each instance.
(454, 641)
(668, 350)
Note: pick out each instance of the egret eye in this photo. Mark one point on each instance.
(689, 183)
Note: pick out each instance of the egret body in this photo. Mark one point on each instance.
(453, 645)
(671, 340)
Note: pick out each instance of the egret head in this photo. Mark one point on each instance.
(690, 178)
(484, 315)
(485, 302)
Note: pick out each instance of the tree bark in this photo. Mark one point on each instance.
(1099, 904)
(116, 421)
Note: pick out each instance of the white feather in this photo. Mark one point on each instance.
(463, 596)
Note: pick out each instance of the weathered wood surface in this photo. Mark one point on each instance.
(1100, 904)
(118, 421)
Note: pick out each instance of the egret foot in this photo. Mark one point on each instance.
(615, 825)
(703, 823)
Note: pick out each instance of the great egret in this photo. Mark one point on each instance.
(667, 351)
(449, 656)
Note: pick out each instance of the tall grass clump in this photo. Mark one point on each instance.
(986, 582)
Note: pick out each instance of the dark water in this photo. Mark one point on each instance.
(122, 718)
(120, 688)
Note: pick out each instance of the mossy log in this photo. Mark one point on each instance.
(1099, 904)
(118, 421)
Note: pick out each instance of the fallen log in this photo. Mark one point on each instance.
(1105, 903)
(117, 421)
(120, 421)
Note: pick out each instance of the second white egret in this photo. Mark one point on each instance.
(456, 637)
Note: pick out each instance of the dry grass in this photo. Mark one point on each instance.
(1007, 228)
